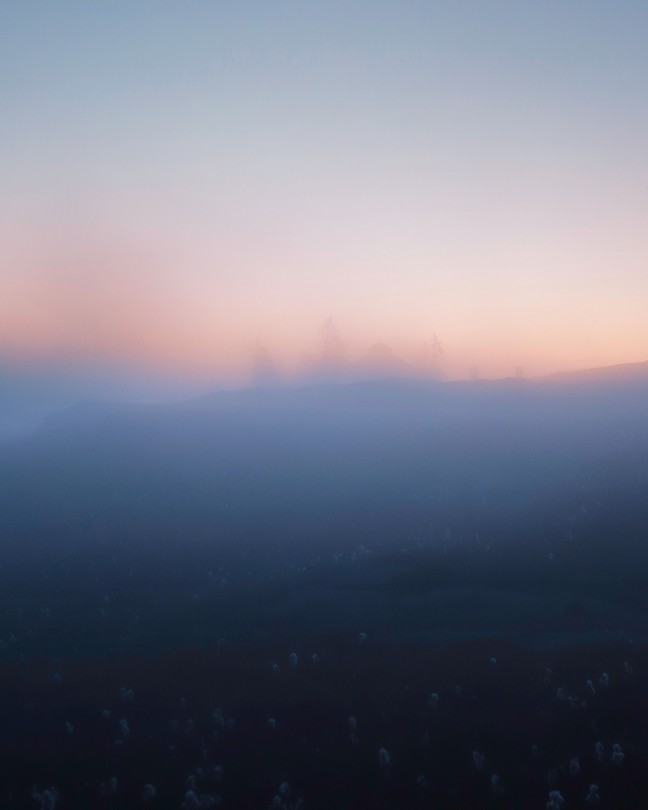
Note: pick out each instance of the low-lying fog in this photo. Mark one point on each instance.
(510, 486)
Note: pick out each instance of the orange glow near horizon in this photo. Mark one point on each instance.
(89, 299)
(237, 178)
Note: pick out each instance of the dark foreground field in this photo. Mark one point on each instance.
(460, 573)
(197, 712)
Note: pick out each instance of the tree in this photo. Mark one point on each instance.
(333, 354)
(330, 362)
(264, 368)
(431, 358)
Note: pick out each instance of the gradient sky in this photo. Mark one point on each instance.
(180, 180)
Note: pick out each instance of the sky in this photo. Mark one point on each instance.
(180, 181)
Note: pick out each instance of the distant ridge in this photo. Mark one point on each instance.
(623, 372)
(387, 382)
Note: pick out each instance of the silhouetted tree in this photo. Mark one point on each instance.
(431, 358)
(333, 354)
(330, 362)
(264, 368)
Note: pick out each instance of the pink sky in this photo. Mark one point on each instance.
(177, 187)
